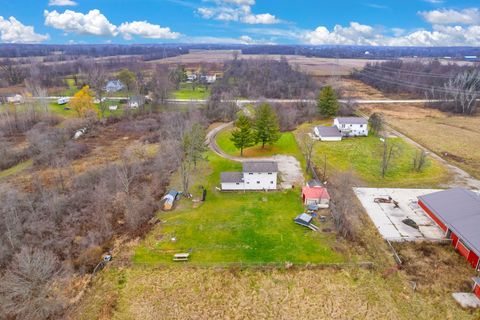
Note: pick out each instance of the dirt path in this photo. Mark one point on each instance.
(289, 166)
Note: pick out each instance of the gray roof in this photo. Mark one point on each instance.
(352, 120)
(476, 280)
(260, 166)
(459, 210)
(306, 218)
(329, 131)
(231, 177)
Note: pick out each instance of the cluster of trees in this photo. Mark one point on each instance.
(263, 78)
(263, 129)
(61, 223)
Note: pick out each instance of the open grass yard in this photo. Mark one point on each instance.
(247, 228)
(186, 92)
(455, 138)
(189, 293)
(286, 145)
(363, 155)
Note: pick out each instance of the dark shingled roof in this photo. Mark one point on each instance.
(328, 132)
(352, 120)
(459, 210)
(231, 177)
(260, 166)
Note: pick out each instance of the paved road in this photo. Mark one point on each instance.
(253, 101)
(289, 166)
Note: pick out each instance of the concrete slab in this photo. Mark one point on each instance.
(466, 300)
(389, 219)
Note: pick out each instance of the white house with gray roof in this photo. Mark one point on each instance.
(256, 175)
(352, 126)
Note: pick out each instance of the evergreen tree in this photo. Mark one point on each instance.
(242, 137)
(327, 102)
(267, 129)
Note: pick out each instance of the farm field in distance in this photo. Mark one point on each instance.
(455, 138)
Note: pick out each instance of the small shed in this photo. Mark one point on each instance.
(318, 196)
(170, 199)
(476, 286)
(305, 220)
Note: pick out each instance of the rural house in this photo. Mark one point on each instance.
(457, 213)
(476, 286)
(317, 196)
(114, 86)
(328, 133)
(352, 126)
(256, 175)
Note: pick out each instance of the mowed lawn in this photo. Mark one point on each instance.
(249, 228)
(286, 145)
(363, 155)
(186, 92)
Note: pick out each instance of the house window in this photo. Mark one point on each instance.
(361, 126)
(237, 184)
(258, 182)
(270, 173)
(271, 182)
(250, 173)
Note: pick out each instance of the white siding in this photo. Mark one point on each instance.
(232, 186)
(352, 130)
(260, 180)
(331, 138)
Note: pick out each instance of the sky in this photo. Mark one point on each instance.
(310, 22)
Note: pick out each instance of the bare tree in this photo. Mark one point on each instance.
(31, 288)
(419, 160)
(96, 76)
(464, 90)
(389, 151)
(306, 144)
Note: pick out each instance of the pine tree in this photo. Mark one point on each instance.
(267, 130)
(327, 102)
(242, 137)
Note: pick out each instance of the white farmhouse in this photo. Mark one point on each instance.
(256, 175)
(352, 126)
(327, 133)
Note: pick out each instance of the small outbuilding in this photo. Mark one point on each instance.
(325, 133)
(305, 220)
(169, 199)
(318, 196)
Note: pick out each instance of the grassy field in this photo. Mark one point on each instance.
(285, 145)
(186, 92)
(185, 293)
(250, 228)
(363, 155)
(455, 138)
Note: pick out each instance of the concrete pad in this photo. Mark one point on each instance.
(466, 300)
(389, 220)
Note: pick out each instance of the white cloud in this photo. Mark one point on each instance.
(358, 34)
(13, 31)
(92, 23)
(449, 16)
(236, 10)
(62, 3)
(96, 24)
(434, 1)
(147, 30)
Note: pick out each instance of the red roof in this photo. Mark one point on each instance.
(315, 193)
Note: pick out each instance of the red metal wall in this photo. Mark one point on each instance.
(432, 215)
(454, 238)
(473, 259)
(464, 251)
(477, 290)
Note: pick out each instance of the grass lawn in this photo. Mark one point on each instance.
(364, 156)
(60, 109)
(286, 145)
(248, 228)
(16, 169)
(186, 92)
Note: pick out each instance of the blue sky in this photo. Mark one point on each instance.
(349, 22)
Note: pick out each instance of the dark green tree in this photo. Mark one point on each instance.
(328, 102)
(243, 137)
(267, 129)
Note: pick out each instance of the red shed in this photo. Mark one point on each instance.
(316, 196)
(457, 212)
